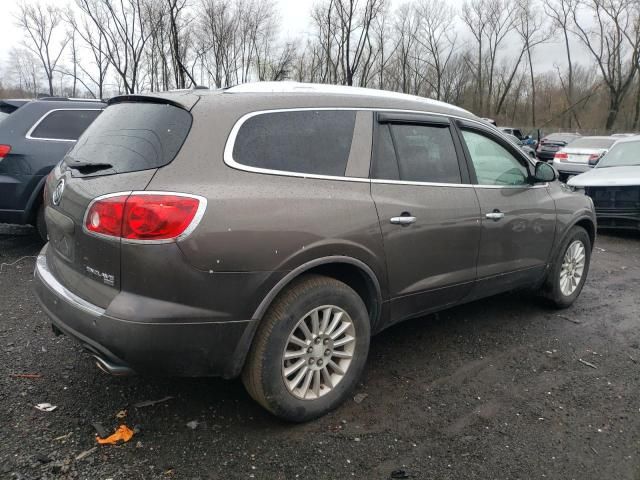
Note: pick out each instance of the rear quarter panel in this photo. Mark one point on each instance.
(266, 223)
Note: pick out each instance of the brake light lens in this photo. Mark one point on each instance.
(594, 158)
(142, 216)
(4, 151)
(561, 156)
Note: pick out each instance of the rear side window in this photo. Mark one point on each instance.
(133, 136)
(423, 153)
(64, 124)
(313, 142)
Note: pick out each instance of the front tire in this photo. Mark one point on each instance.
(570, 269)
(310, 349)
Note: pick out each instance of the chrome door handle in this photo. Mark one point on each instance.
(495, 215)
(404, 220)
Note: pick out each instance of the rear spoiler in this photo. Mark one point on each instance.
(186, 101)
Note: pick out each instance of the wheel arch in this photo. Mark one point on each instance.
(589, 226)
(34, 202)
(351, 271)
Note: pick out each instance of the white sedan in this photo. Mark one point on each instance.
(614, 185)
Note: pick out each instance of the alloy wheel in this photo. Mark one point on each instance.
(318, 352)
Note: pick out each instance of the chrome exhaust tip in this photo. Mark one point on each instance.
(112, 368)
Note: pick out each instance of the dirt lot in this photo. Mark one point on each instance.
(494, 389)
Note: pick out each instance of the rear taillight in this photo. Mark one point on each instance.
(143, 216)
(561, 156)
(594, 158)
(4, 151)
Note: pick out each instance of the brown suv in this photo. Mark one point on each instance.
(268, 230)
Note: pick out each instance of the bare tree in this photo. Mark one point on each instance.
(41, 26)
(437, 35)
(530, 27)
(125, 33)
(560, 13)
(93, 41)
(613, 41)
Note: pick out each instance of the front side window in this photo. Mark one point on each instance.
(311, 141)
(64, 124)
(494, 164)
(423, 153)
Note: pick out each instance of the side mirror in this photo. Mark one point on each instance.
(544, 173)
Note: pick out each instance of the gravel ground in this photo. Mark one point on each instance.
(493, 389)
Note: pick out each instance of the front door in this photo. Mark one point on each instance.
(428, 212)
(518, 217)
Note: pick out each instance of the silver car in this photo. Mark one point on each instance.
(614, 185)
(581, 155)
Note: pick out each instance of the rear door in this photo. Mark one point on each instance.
(119, 153)
(518, 217)
(428, 212)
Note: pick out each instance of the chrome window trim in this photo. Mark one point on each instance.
(42, 269)
(202, 206)
(429, 184)
(230, 161)
(28, 135)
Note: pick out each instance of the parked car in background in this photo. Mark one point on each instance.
(34, 136)
(624, 135)
(525, 148)
(516, 132)
(549, 145)
(267, 230)
(581, 155)
(614, 185)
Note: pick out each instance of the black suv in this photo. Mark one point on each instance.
(34, 136)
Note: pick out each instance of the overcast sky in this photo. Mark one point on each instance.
(295, 22)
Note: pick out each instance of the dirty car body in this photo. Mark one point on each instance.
(287, 183)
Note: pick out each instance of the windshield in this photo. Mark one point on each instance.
(625, 154)
(3, 116)
(129, 137)
(590, 142)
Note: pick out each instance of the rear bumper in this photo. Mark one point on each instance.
(126, 346)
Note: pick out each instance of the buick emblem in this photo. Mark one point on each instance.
(57, 193)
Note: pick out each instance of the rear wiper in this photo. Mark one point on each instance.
(87, 167)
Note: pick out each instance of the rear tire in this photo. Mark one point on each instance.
(41, 225)
(570, 269)
(317, 375)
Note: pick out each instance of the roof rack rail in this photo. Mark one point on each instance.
(69, 99)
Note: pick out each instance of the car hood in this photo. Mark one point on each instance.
(607, 177)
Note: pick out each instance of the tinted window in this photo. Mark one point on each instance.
(494, 164)
(385, 165)
(133, 136)
(426, 154)
(65, 124)
(315, 142)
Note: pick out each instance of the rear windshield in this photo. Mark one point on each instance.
(586, 142)
(128, 137)
(625, 154)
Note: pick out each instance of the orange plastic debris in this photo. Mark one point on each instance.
(123, 433)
